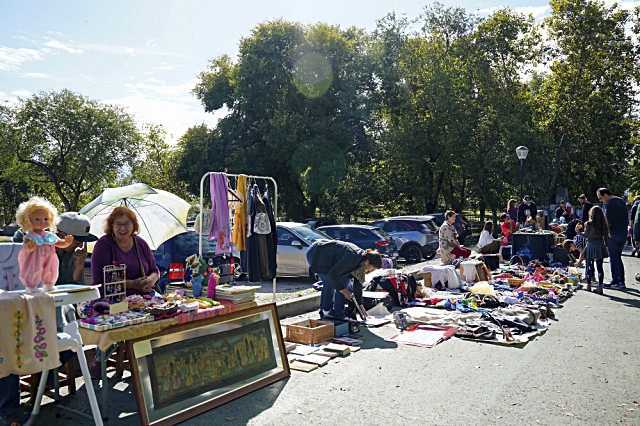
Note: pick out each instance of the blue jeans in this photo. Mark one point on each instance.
(615, 246)
(9, 395)
(332, 301)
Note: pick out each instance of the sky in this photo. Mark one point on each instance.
(145, 55)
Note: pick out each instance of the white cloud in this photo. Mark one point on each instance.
(14, 97)
(58, 45)
(175, 115)
(38, 75)
(12, 59)
(154, 86)
(538, 12)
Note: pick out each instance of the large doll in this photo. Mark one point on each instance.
(38, 260)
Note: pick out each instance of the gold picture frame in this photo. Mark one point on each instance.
(190, 369)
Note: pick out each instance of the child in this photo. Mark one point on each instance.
(597, 233)
(506, 228)
(572, 251)
(38, 260)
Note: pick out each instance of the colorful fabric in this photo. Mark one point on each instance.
(239, 233)
(39, 266)
(220, 227)
(29, 337)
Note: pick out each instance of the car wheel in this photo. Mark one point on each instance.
(412, 253)
(430, 256)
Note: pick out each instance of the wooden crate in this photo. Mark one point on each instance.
(310, 332)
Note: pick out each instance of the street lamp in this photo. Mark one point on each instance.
(522, 152)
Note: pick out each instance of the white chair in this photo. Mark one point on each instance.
(70, 339)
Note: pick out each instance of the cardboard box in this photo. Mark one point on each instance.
(310, 332)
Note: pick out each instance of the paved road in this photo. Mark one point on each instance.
(584, 370)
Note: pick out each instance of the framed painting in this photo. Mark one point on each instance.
(187, 370)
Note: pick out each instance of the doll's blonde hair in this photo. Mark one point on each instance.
(29, 207)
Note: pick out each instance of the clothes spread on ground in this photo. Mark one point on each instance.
(9, 271)
(262, 237)
(220, 226)
(29, 335)
(239, 232)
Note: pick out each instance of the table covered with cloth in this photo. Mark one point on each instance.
(105, 339)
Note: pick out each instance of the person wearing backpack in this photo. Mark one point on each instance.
(336, 263)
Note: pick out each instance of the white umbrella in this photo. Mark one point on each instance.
(161, 214)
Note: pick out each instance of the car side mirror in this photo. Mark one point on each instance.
(296, 243)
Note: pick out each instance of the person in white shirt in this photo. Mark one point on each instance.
(487, 244)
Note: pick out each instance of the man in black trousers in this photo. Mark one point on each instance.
(616, 211)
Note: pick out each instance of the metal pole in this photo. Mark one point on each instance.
(521, 178)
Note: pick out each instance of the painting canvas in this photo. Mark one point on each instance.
(192, 368)
(188, 368)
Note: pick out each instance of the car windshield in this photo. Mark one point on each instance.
(382, 233)
(310, 235)
(430, 225)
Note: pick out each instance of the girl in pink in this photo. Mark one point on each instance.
(37, 260)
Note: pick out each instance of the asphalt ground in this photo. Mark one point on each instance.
(584, 370)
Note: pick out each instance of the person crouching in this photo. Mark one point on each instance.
(336, 262)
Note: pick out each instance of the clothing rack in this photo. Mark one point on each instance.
(265, 179)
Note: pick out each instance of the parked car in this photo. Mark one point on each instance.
(294, 240)
(415, 236)
(365, 237)
(170, 256)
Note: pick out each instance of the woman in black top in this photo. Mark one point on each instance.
(597, 234)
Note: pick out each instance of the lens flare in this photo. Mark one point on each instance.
(312, 74)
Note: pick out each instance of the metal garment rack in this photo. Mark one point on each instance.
(275, 206)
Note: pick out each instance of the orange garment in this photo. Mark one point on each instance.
(239, 232)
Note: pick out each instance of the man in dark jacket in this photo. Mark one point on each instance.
(586, 206)
(526, 209)
(336, 263)
(616, 210)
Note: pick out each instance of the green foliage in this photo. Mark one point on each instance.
(76, 145)
(428, 112)
(156, 166)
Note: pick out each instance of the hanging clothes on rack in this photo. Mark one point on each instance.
(239, 232)
(262, 240)
(220, 227)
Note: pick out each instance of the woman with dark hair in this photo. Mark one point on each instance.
(122, 245)
(597, 234)
(487, 244)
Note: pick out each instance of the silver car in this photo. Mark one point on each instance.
(294, 240)
(415, 236)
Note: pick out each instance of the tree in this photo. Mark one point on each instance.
(75, 144)
(586, 104)
(299, 101)
(156, 166)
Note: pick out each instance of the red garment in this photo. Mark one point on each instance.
(461, 252)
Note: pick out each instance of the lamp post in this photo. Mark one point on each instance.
(522, 152)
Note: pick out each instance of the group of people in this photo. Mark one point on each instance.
(593, 235)
(39, 223)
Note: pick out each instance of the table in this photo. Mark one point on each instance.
(106, 342)
(535, 245)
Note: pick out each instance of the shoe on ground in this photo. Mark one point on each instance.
(618, 286)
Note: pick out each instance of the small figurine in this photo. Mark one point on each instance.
(38, 260)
